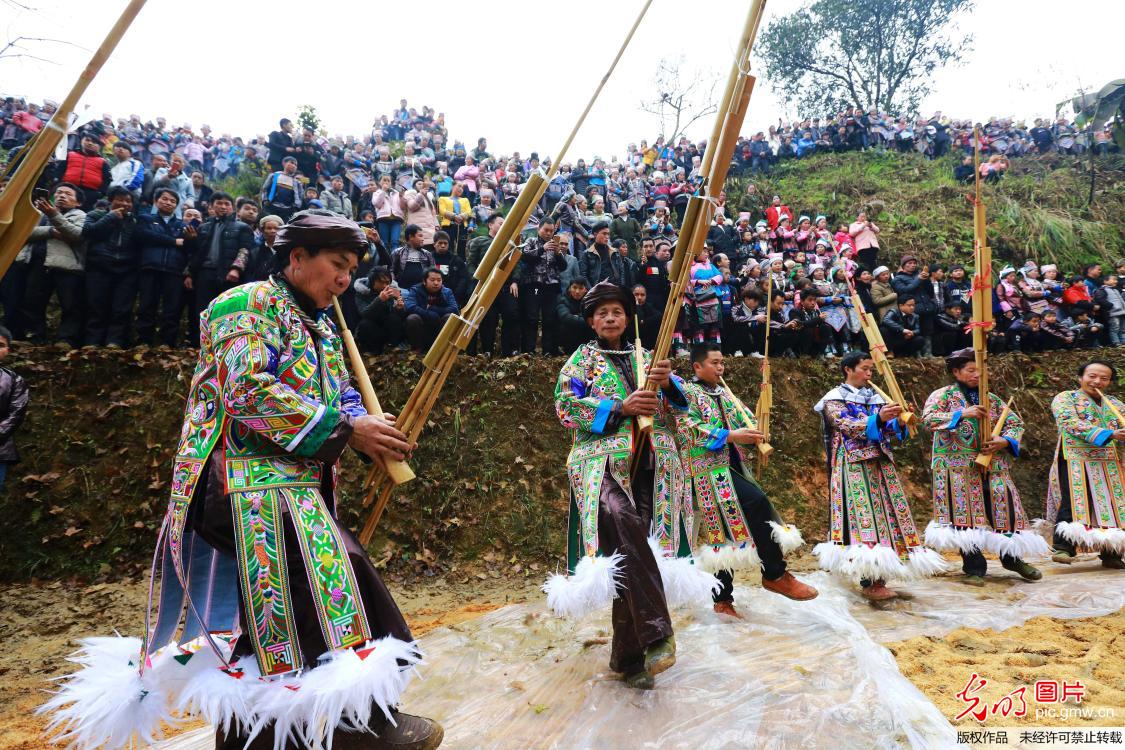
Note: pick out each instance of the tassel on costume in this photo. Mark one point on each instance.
(685, 583)
(1092, 537)
(1021, 544)
(787, 536)
(729, 557)
(924, 562)
(945, 537)
(109, 704)
(861, 561)
(593, 586)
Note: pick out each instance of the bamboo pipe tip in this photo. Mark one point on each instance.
(984, 460)
(399, 472)
(765, 449)
(907, 417)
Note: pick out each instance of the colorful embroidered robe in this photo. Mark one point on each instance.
(588, 387)
(265, 395)
(871, 532)
(1094, 470)
(702, 431)
(961, 521)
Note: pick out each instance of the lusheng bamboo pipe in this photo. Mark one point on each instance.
(877, 348)
(398, 471)
(982, 287)
(984, 460)
(644, 424)
(18, 216)
(493, 275)
(1112, 409)
(765, 395)
(907, 416)
(763, 447)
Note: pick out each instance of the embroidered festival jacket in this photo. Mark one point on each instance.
(702, 433)
(1091, 459)
(269, 389)
(588, 388)
(958, 491)
(867, 502)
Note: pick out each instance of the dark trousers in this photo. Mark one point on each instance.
(375, 336)
(868, 258)
(813, 338)
(640, 612)
(758, 511)
(504, 312)
(421, 332)
(537, 301)
(40, 284)
(902, 347)
(1066, 514)
(162, 300)
(110, 296)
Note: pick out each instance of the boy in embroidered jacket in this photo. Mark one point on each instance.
(871, 530)
(271, 616)
(612, 512)
(1085, 490)
(975, 511)
(740, 527)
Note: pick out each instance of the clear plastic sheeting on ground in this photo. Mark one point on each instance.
(792, 675)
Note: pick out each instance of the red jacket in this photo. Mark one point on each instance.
(87, 172)
(774, 214)
(1076, 292)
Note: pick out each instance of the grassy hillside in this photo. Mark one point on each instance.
(1038, 210)
(102, 428)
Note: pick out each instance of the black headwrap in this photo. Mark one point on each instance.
(317, 230)
(960, 358)
(605, 291)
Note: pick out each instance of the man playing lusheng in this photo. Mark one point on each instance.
(740, 529)
(272, 622)
(871, 530)
(613, 509)
(975, 510)
(1085, 491)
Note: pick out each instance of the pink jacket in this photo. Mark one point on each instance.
(387, 205)
(863, 236)
(420, 211)
(468, 174)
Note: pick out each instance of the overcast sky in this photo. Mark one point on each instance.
(515, 71)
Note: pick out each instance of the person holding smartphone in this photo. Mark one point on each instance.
(112, 266)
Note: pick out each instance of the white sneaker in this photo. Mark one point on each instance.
(738, 353)
(757, 355)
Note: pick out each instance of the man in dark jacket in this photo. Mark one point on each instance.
(722, 236)
(602, 263)
(949, 329)
(111, 271)
(382, 312)
(428, 305)
(653, 274)
(574, 331)
(908, 281)
(648, 317)
(222, 251)
(281, 144)
(165, 245)
(901, 329)
(539, 287)
(452, 267)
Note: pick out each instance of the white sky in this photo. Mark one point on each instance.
(517, 72)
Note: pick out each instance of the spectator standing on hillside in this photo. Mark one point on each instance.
(335, 199)
(221, 254)
(112, 266)
(542, 262)
(455, 212)
(164, 243)
(173, 176)
(865, 237)
(410, 261)
(281, 144)
(86, 169)
(51, 264)
(281, 192)
(128, 172)
(421, 210)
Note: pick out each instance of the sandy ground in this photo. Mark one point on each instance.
(1090, 651)
(39, 623)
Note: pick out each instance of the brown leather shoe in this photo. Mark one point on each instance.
(411, 733)
(789, 586)
(727, 608)
(878, 592)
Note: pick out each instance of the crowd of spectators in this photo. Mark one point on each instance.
(134, 235)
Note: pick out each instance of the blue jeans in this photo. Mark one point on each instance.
(3, 473)
(389, 231)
